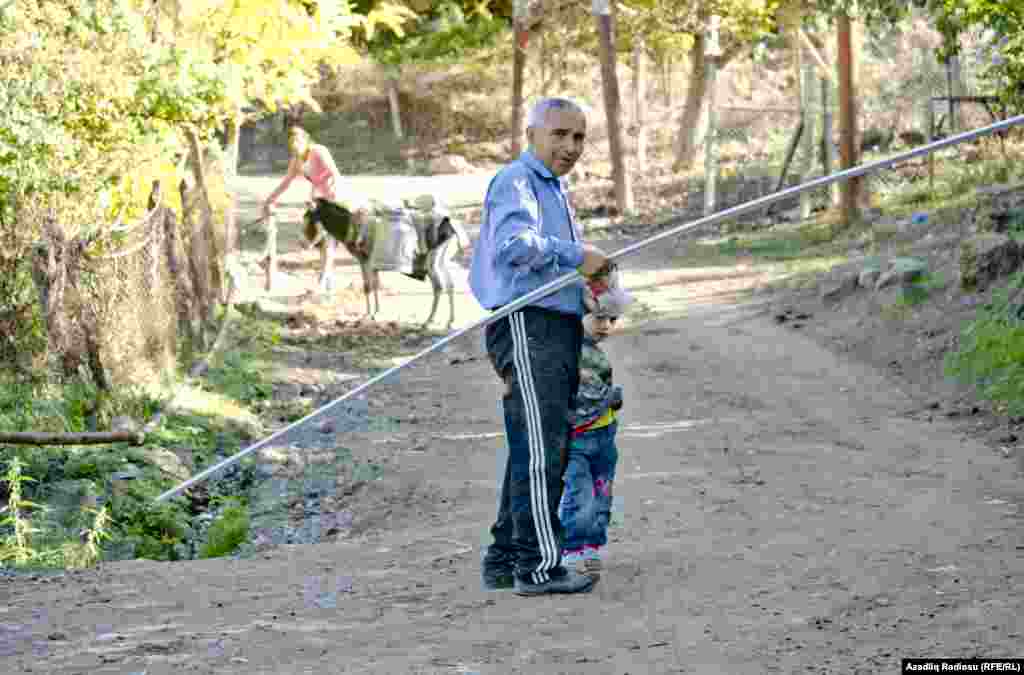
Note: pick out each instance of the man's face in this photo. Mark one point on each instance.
(559, 142)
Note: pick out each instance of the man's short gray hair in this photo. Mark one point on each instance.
(539, 112)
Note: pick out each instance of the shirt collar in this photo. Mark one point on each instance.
(531, 161)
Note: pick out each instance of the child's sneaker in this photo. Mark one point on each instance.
(592, 561)
(572, 559)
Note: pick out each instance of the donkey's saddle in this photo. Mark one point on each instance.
(400, 234)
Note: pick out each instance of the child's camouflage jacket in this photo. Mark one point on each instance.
(596, 392)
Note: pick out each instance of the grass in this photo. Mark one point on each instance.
(209, 417)
(913, 295)
(990, 355)
(227, 533)
(206, 416)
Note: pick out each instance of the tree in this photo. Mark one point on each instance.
(843, 13)
(612, 105)
(239, 53)
(1005, 20)
(672, 26)
(426, 33)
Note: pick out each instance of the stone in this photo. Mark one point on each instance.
(124, 423)
(902, 270)
(170, 462)
(868, 278)
(128, 472)
(841, 290)
(986, 257)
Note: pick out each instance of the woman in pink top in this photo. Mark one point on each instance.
(314, 162)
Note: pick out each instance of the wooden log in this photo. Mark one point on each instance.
(80, 438)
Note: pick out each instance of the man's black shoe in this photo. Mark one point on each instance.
(570, 582)
(498, 576)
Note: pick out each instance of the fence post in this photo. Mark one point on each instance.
(827, 146)
(271, 255)
(806, 111)
(712, 52)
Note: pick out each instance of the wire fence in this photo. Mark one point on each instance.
(119, 306)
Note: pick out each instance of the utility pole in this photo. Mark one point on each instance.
(847, 122)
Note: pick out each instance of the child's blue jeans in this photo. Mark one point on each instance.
(586, 503)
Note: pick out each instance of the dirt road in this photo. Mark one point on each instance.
(783, 514)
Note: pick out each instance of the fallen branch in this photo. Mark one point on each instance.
(74, 438)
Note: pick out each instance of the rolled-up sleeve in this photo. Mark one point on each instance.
(518, 242)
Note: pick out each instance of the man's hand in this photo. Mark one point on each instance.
(594, 259)
(268, 210)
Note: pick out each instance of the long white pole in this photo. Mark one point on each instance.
(572, 277)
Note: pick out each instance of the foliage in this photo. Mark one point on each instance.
(991, 350)
(1004, 19)
(875, 13)
(445, 32)
(919, 291)
(671, 26)
(226, 533)
(17, 546)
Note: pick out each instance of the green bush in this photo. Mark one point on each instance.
(226, 533)
(991, 352)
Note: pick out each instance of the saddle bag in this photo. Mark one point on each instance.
(393, 239)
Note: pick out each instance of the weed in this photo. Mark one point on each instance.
(17, 546)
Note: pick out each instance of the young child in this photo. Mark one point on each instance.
(592, 456)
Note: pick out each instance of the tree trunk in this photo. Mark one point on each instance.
(393, 103)
(847, 122)
(542, 64)
(49, 272)
(639, 102)
(693, 108)
(666, 81)
(231, 150)
(199, 267)
(612, 106)
(206, 225)
(520, 35)
(184, 296)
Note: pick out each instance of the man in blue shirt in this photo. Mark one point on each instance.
(528, 238)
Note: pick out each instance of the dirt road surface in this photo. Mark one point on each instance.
(785, 511)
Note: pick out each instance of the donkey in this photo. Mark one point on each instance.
(432, 252)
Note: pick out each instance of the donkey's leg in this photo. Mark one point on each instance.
(376, 290)
(446, 260)
(436, 283)
(364, 268)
